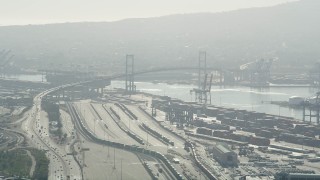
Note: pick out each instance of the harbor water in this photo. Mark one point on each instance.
(239, 97)
(27, 77)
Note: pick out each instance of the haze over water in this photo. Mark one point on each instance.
(238, 97)
(233, 97)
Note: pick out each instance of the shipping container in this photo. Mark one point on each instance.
(260, 141)
(204, 131)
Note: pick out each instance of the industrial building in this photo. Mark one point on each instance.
(296, 101)
(256, 178)
(224, 155)
(297, 176)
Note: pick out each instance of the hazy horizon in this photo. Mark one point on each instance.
(48, 11)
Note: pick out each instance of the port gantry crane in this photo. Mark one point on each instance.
(257, 72)
(203, 92)
(313, 105)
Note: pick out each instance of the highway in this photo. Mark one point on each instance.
(9, 137)
(36, 127)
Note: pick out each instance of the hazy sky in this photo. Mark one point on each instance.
(53, 11)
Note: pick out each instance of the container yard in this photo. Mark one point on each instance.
(265, 137)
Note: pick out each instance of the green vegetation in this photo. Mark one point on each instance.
(52, 109)
(42, 165)
(54, 116)
(16, 162)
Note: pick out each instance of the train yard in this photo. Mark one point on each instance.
(155, 160)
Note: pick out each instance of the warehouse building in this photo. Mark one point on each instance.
(224, 155)
(297, 176)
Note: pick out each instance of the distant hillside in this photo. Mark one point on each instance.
(289, 31)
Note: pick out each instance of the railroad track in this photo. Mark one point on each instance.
(90, 135)
(72, 114)
(116, 118)
(75, 118)
(105, 127)
(134, 149)
(198, 163)
(166, 172)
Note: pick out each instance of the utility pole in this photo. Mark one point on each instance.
(114, 158)
(129, 123)
(121, 169)
(94, 126)
(108, 147)
(147, 139)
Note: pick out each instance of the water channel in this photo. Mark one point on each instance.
(26, 77)
(238, 97)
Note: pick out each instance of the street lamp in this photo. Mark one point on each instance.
(94, 126)
(147, 139)
(129, 123)
(147, 135)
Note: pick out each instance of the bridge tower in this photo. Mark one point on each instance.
(130, 87)
(203, 92)
(202, 66)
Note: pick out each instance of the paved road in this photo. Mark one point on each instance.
(36, 127)
(33, 165)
